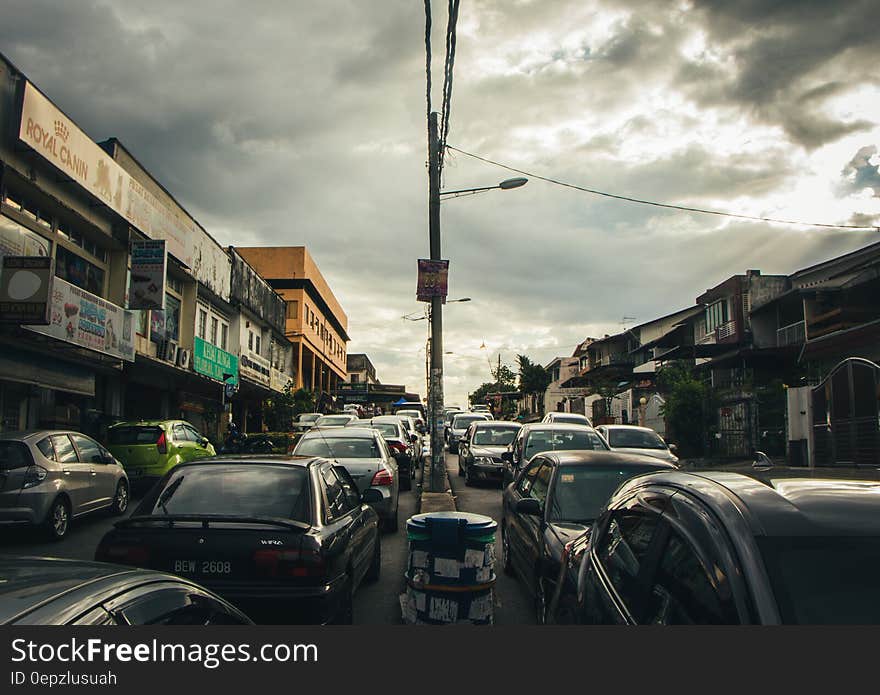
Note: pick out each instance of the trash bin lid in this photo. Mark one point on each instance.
(474, 524)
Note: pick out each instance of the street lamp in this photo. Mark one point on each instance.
(505, 185)
(435, 158)
(427, 313)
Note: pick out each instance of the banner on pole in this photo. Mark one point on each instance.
(433, 280)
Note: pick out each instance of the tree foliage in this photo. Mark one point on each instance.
(690, 409)
(533, 378)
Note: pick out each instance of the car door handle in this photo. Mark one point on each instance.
(66, 471)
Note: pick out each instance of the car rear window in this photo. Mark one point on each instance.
(461, 422)
(236, 490)
(14, 455)
(562, 440)
(570, 419)
(133, 434)
(338, 447)
(635, 439)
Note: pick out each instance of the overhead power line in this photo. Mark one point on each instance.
(446, 108)
(641, 201)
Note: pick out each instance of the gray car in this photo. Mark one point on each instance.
(48, 477)
(363, 452)
(459, 426)
(637, 440)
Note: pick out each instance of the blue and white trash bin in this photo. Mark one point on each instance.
(450, 576)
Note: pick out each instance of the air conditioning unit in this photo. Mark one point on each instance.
(169, 351)
(183, 357)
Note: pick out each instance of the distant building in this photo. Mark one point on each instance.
(360, 370)
(314, 321)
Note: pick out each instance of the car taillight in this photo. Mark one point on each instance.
(34, 476)
(271, 562)
(124, 554)
(382, 478)
(161, 446)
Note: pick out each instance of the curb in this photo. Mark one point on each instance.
(435, 501)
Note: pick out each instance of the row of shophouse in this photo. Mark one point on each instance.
(791, 361)
(238, 324)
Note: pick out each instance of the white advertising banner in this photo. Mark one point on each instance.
(84, 319)
(278, 379)
(60, 141)
(147, 287)
(255, 368)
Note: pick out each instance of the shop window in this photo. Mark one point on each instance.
(172, 318)
(16, 240)
(78, 271)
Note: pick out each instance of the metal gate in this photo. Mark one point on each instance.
(846, 406)
(734, 420)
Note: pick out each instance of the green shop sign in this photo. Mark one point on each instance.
(213, 362)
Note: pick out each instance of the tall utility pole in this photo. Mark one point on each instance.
(437, 479)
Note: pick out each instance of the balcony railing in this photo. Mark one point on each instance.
(793, 334)
(725, 330)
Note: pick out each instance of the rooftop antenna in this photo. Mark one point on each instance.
(624, 321)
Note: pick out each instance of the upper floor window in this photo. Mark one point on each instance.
(224, 334)
(292, 309)
(214, 324)
(203, 323)
(78, 271)
(716, 314)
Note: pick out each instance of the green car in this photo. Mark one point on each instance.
(150, 448)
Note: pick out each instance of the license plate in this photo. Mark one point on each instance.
(202, 567)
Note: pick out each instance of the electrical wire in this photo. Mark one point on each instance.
(670, 206)
(428, 56)
(451, 23)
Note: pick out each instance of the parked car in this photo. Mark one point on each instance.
(448, 415)
(305, 421)
(568, 419)
(418, 418)
(554, 500)
(459, 426)
(283, 539)
(537, 437)
(53, 591)
(778, 546)
(49, 477)
(399, 441)
(638, 440)
(413, 433)
(364, 453)
(149, 449)
(480, 450)
(337, 420)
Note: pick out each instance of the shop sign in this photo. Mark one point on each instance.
(433, 280)
(25, 289)
(84, 319)
(255, 368)
(278, 380)
(60, 141)
(212, 362)
(146, 289)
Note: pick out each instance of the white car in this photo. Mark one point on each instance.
(568, 419)
(637, 440)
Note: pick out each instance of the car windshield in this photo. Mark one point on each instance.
(495, 436)
(386, 428)
(820, 580)
(309, 417)
(236, 490)
(461, 422)
(561, 440)
(325, 420)
(635, 439)
(338, 447)
(582, 491)
(133, 434)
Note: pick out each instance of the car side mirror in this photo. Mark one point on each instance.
(529, 506)
(673, 448)
(204, 441)
(371, 496)
(761, 460)
(507, 456)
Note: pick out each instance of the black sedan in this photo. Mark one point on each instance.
(552, 502)
(285, 539)
(774, 547)
(537, 437)
(51, 591)
(481, 448)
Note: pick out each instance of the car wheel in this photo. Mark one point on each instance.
(506, 564)
(540, 600)
(375, 568)
(345, 616)
(120, 502)
(58, 519)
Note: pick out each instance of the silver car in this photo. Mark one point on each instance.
(637, 440)
(363, 452)
(459, 425)
(336, 420)
(48, 477)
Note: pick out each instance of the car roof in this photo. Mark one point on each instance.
(27, 583)
(561, 413)
(299, 461)
(330, 432)
(577, 457)
(778, 503)
(20, 436)
(556, 426)
(494, 423)
(628, 427)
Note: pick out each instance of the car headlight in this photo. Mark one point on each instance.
(484, 460)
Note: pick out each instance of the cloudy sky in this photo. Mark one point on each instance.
(290, 122)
